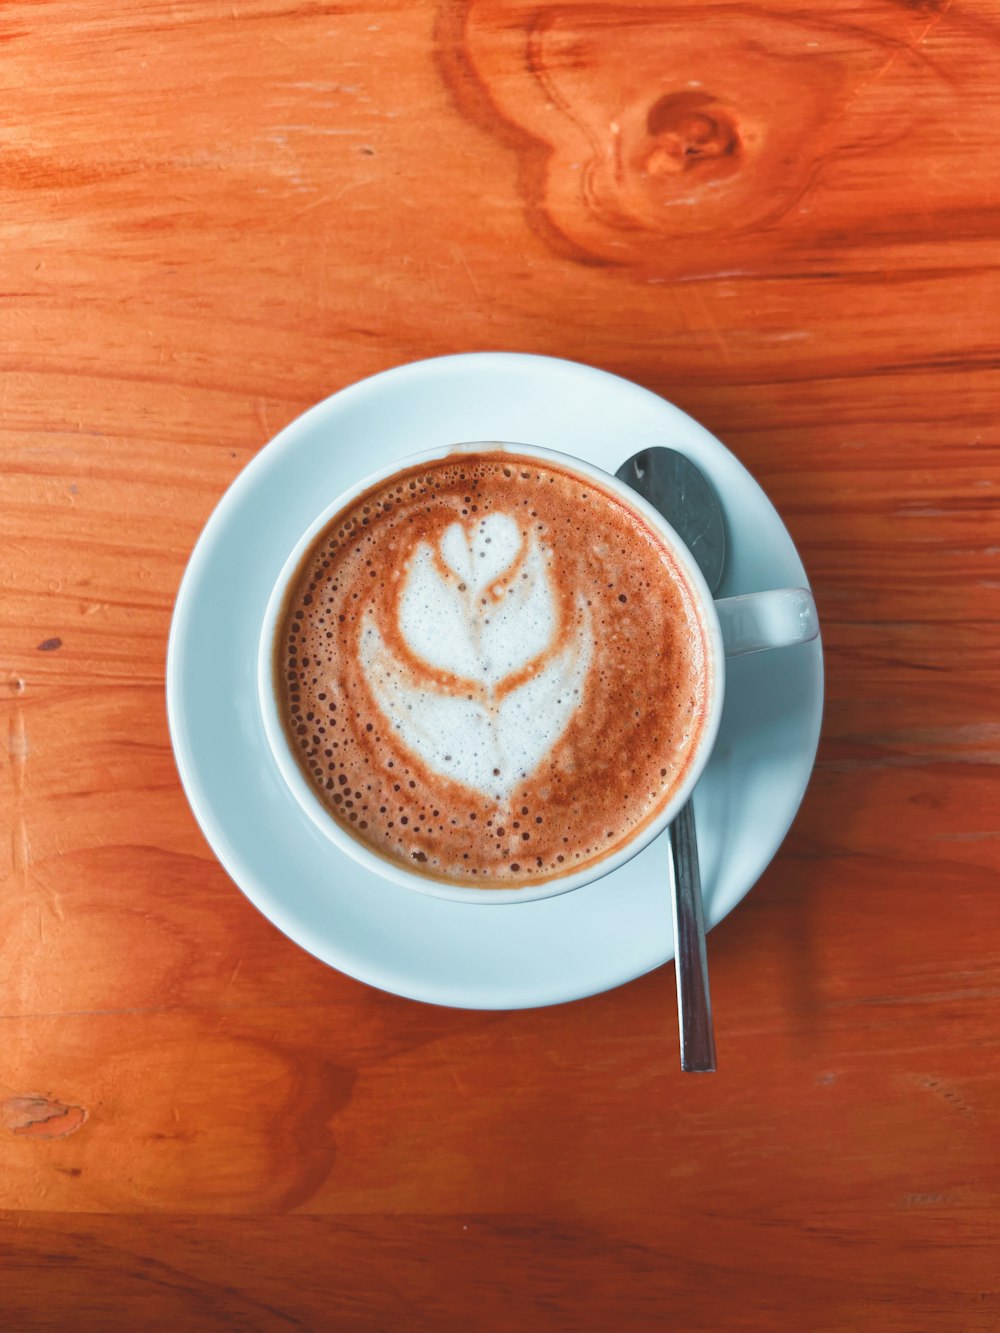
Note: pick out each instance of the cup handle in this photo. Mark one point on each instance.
(760, 620)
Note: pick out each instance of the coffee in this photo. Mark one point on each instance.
(491, 670)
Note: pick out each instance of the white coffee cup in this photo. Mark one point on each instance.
(733, 625)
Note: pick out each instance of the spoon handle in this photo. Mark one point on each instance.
(694, 1003)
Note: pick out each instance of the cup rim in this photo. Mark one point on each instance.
(310, 804)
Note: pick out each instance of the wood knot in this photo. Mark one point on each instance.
(687, 131)
(643, 145)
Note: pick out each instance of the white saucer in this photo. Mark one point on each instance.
(499, 957)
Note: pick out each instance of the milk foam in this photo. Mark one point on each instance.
(490, 670)
(480, 610)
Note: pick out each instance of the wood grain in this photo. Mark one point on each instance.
(782, 218)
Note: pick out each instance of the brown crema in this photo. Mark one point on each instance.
(626, 649)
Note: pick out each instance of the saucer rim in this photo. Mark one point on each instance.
(271, 456)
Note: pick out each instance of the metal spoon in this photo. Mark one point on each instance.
(673, 485)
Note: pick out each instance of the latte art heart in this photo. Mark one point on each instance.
(490, 670)
(479, 553)
(479, 605)
(481, 610)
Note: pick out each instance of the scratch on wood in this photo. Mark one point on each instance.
(262, 418)
(17, 749)
(946, 1094)
(234, 974)
(32, 1115)
(712, 327)
(17, 744)
(460, 255)
(930, 26)
(908, 48)
(20, 849)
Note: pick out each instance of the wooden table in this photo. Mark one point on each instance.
(213, 214)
